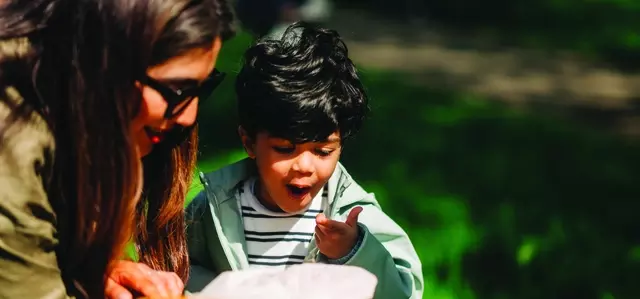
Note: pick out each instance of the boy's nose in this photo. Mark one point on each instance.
(303, 163)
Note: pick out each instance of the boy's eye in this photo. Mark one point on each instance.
(284, 149)
(324, 152)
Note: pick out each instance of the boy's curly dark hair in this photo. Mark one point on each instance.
(302, 87)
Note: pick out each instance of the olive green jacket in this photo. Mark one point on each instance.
(28, 263)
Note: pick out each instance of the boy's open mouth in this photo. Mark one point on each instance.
(298, 191)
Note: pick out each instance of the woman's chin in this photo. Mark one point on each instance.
(144, 149)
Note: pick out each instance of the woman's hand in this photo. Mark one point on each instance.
(129, 277)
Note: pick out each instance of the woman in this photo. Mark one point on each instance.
(90, 93)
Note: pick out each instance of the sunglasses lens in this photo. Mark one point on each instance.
(179, 102)
(183, 105)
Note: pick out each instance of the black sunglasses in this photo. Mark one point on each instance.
(179, 99)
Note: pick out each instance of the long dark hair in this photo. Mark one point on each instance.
(168, 171)
(80, 74)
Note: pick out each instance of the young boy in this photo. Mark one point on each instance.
(299, 100)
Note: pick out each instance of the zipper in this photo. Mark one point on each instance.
(216, 222)
(225, 247)
(312, 256)
(246, 252)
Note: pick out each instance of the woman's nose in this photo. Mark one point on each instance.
(188, 116)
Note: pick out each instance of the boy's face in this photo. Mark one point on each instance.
(291, 174)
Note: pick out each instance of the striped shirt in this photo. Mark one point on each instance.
(277, 239)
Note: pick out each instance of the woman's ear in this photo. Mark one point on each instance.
(247, 142)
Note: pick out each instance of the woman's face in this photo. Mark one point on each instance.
(179, 73)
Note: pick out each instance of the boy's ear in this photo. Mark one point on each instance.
(247, 142)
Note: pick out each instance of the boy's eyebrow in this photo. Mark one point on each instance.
(333, 139)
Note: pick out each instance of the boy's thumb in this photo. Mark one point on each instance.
(321, 219)
(352, 219)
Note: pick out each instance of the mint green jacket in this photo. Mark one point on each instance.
(215, 233)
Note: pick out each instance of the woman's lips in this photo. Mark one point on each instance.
(154, 135)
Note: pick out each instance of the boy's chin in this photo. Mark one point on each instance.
(296, 206)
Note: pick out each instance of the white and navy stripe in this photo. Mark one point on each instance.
(277, 239)
(251, 212)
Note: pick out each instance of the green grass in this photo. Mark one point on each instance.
(498, 203)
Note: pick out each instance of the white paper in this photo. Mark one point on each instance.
(304, 281)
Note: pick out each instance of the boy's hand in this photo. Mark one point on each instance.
(336, 239)
(129, 277)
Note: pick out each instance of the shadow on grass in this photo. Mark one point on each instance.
(602, 30)
(499, 203)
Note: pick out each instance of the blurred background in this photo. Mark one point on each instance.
(504, 135)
